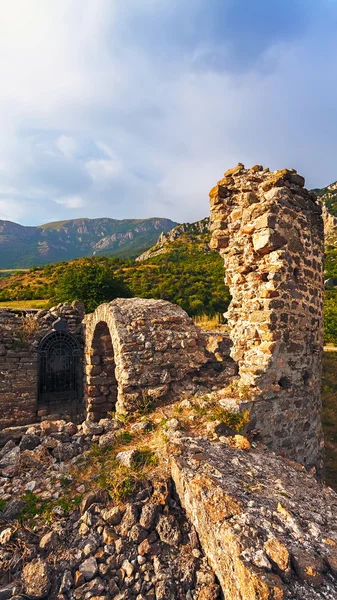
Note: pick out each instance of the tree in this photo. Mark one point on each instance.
(92, 282)
(330, 317)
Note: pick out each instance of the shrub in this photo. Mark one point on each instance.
(92, 282)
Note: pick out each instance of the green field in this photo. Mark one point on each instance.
(24, 304)
(11, 271)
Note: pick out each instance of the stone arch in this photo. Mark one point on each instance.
(101, 384)
(150, 345)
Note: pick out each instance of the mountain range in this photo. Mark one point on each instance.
(22, 247)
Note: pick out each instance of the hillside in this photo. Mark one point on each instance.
(140, 239)
(197, 232)
(186, 272)
(328, 195)
(180, 267)
(22, 246)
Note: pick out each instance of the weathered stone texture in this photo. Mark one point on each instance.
(136, 349)
(269, 230)
(268, 529)
(20, 334)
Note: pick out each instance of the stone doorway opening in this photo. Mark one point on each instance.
(60, 374)
(102, 391)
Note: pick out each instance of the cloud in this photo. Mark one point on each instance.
(71, 202)
(67, 145)
(135, 109)
(101, 169)
(11, 211)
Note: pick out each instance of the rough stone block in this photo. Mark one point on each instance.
(250, 511)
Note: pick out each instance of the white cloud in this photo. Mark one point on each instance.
(11, 211)
(102, 169)
(67, 145)
(105, 149)
(89, 117)
(71, 202)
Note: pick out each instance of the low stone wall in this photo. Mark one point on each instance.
(20, 334)
(18, 370)
(269, 230)
(136, 349)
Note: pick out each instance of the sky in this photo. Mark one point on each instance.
(135, 108)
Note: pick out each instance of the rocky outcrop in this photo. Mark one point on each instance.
(269, 230)
(268, 529)
(330, 221)
(191, 229)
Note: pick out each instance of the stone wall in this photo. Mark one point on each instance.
(269, 230)
(267, 527)
(136, 351)
(20, 334)
(18, 371)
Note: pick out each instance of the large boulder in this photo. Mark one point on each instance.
(36, 579)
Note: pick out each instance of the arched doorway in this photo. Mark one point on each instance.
(60, 372)
(102, 388)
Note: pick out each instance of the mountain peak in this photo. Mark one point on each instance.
(22, 246)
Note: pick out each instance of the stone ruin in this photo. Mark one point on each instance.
(269, 230)
(25, 338)
(137, 352)
(127, 355)
(239, 509)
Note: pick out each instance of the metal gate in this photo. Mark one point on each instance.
(60, 369)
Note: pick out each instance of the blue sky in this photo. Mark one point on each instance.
(134, 108)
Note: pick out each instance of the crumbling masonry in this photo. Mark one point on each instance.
(133, 353)
(269, 230)
(137, 352)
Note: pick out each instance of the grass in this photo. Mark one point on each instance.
(124, 437)
(120, 481)
(146, 458)
(235, 421)
(13, 270)
(99, 469)
(213, 411)
(35, 507)
(208, 323)
(329, 397)
(25, 304)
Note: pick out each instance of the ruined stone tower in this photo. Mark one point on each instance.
(269, 230)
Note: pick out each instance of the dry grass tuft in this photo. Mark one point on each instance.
(210, 323)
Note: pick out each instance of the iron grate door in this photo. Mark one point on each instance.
(59, 369)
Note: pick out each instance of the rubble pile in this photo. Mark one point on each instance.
(143, 550)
